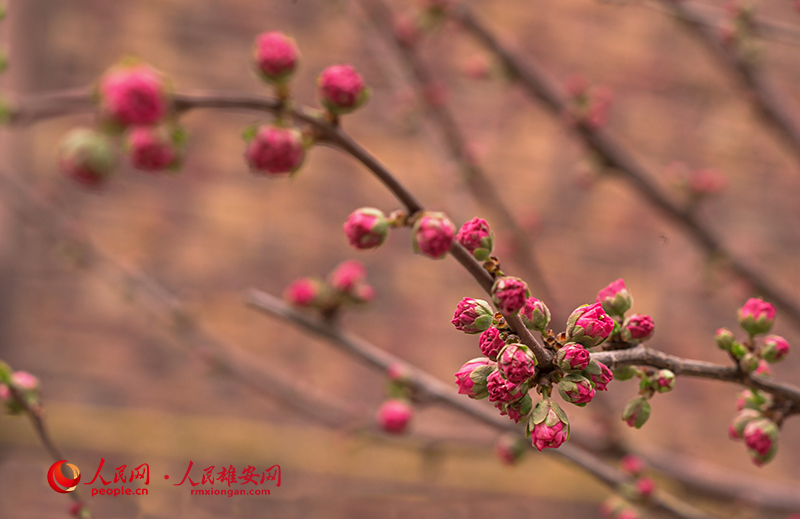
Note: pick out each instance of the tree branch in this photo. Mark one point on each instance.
(539, 86)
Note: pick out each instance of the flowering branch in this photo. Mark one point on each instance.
(439, 392)
(643, 356)
(538, 85)
(474, 175)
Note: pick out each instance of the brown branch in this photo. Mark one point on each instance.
(473, 175)
(774, 105)
(538, 85)
(445, 395)
(643, 356)
(35, 413)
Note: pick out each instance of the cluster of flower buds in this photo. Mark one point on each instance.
(698, 184)
(136, 115)
(588, 106)
(755, 421)
(755, 318)
(25, 386)
(345, 285)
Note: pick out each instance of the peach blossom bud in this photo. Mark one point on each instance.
(725, 339)
(303, 292)
(473, 315)
(276, 56)
(756, 316)
(646, 487)
(274, 150)
(394, 415)
(632, 465)
(761, 438)
(638, 328)
(775, 348)
(589, 325)
(152, 148)
(133, 95)
(535, 315)
(341, 89)
(548, 425)
(471, 378)
(366, 228)
(87, 156)
(477, 238)
(516, 363)
(510, 294)
(491, 342)
(576, 389)
(572, 357)
(615, 298)
(433, 235)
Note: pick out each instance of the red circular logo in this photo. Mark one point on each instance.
(59, 481)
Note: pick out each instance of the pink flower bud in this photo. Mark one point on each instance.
(510, 448)
(636, 412)
(341, 89)
(133, 95)
(366, 228)
(638, 328)
(347, 276)
(548, 425)
(276, 56)
(632, 465)
(275, 150)
(740, 421)
(753, 399)
(664, 381)
(749, 362)
(589, 325)
(87, 156)
(473, 315)
(303, 292)
(510, 294)
(477, 238)
(398, 373)
(517, 410)
(756, 316)
(363, 293)
(491, 342)
(502, 390)
(646, 487)
(471, 379)
(394, 415)
(433, 235)
(152, 148)
(572, 357)
(615, 298)
(576, 389)
(535, 315)
(516, 363)
(761, 438)
(775, 348)
(725, 339)
(599, 374)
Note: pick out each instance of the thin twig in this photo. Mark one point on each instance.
(440, 392)
(540, 86)
(474, 176)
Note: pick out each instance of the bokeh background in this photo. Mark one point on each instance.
(120, 385)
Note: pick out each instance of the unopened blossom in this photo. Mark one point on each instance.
(756, 316)
(632, 465)
(638, 328)
(576, 389)
(599, 374)
(303, 292)
(433, 234)
(775, 348)
(471, 378)
(510, 294)
(152, 148)
(572, 357)
(517, 410)
(589, 325)
(133, 95)
(516, 363)
(341, 89)
(476, 236)
(275, 56)
(347, 276)
(741, 420)
(725, 339)
(645, 486)
(548, 425)
(473, 315)
(636, 412)
(761, 438)
(664, 381)
(615, 298)
(490, 342)
(535, 315)
(510, 448)
(87, 156)
(366, 228)
(274, 150)
(502, 390)
(394, 416)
